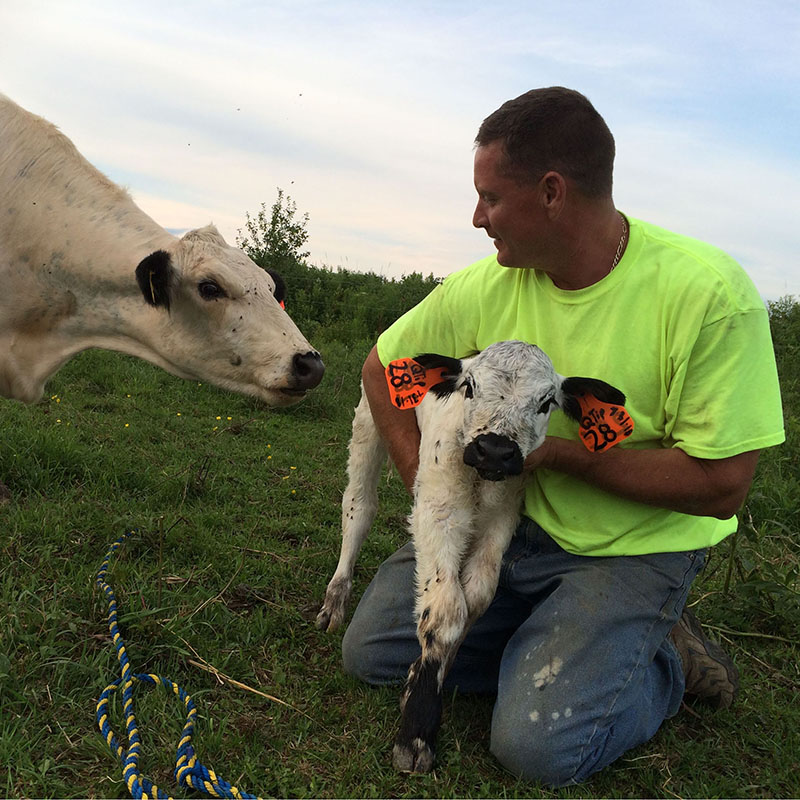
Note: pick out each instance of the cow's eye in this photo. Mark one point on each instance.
(469, 392)
(210, 290)
(546, 405)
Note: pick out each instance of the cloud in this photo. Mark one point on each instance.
(364, 112)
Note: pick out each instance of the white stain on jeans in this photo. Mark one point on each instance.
(548, 673)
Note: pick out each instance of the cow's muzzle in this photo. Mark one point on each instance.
(494, 457)
(307, 372)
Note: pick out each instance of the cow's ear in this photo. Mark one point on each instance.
(154, 276)
(572, 388)
(447, 385)
(280, 286)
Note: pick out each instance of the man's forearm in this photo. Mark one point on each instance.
(666, 478)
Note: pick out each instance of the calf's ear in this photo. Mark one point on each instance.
(447, 384)
(572, 388)
(154, 276)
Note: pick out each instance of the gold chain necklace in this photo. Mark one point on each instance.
(621, 244)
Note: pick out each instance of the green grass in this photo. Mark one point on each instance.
(237, 509)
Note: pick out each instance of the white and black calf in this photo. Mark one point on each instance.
(477, 426)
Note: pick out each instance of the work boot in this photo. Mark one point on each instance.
(709, 672)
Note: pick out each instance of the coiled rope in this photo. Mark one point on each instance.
(188, 770)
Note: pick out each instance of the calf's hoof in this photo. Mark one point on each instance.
(334, 608)
(414, 757)
(329, 619)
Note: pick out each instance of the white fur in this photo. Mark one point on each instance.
(70, 242)
(460, 524)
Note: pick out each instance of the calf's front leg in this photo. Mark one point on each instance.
(497, 518)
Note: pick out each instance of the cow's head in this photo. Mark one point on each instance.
(224, 322)
(508, 391)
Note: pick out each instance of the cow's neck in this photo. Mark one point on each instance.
(82, 293)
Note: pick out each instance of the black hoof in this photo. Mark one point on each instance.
(416, 757)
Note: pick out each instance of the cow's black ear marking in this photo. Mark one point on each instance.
(154, 276)
(449, 382)
(280, 285)
(571, 388)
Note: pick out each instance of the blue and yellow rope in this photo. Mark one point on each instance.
(188, 770)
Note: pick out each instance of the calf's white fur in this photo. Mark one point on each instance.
(476, 426)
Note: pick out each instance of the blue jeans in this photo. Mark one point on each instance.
(576, 648)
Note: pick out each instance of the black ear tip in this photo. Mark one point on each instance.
(433, 360)
(280, 285)
(153, 276)
(573, 387)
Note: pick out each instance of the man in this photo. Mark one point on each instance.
(586, 642)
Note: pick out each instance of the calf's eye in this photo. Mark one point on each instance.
(210, 290)
(469, 393)
(546, 405)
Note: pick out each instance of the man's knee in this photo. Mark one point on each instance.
(533, 757)
(538, 743)
(357, 658)
(376, 653)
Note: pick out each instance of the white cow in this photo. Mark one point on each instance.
(477, 426)
(81, 266)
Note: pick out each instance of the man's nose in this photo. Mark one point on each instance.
(479, 216)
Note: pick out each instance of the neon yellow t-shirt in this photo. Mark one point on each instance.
(678, 326)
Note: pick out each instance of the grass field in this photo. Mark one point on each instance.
(237, 512)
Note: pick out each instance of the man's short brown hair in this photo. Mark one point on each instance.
(553, 129)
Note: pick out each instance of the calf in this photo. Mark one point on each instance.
(82, 266)
(477, 425)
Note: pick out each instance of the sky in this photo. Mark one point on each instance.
(365, 113)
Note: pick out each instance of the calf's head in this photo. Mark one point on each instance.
(224, 321)
(509, 391)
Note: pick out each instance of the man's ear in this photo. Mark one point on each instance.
(450, 379)
(572, 388)
(553, 193)
(154, 276)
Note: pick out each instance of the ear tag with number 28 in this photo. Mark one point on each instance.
(409, 381)
(602, 424)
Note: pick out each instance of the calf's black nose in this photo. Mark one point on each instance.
(308, 370)
(494, 457)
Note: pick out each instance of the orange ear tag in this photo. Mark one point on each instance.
(602, 424)
(409, 381)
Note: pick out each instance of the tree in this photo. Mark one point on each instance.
(348, 306)
(275, 238)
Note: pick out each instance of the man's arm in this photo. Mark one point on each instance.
(398, 428)
(665, 478)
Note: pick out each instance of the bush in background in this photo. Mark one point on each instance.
(332, 304)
